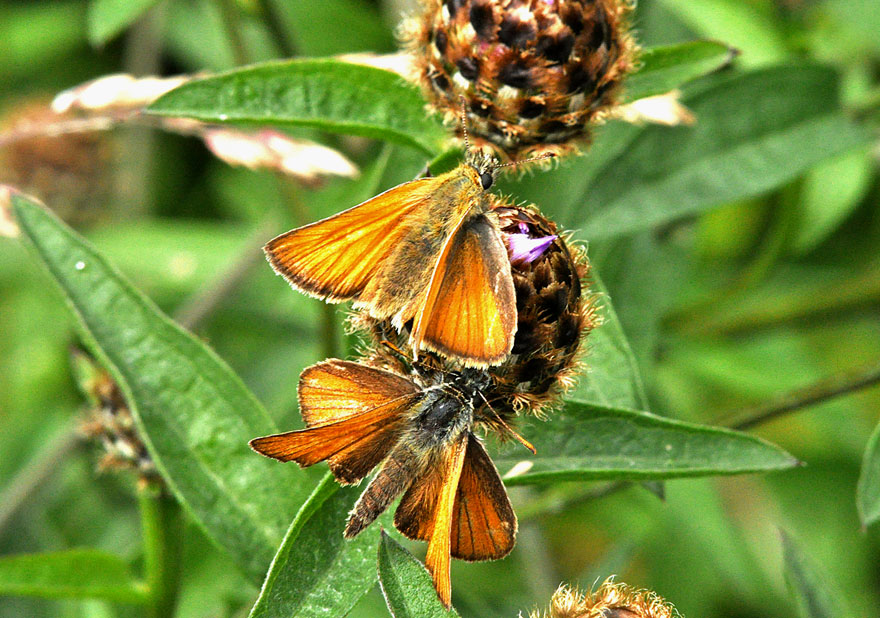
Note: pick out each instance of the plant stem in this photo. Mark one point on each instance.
(205, 301)
(330, 347)
(693, 317)
(134, 172)
(823, 390)
(161, 525)
(275, 25)
(557, 501)
(34, 475)
(232, 22)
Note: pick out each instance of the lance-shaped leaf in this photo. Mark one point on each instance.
(812, 592)
(754, 132)
(584, 442)
(318, 572)
(868, 496)
(75, 573)
(192, 411)
(326, 94)
(406, 584)
(612, 378)
(107, 18)
(671, 66)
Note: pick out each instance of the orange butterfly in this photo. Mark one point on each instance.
(428, 254)
(360, 416)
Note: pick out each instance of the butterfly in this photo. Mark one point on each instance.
(428, 254)
(418, 431)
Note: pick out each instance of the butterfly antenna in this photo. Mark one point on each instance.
(463, 114)
(549, 155)
(518, 437)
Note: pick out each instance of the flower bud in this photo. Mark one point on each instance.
(533, 73)
(610, 600)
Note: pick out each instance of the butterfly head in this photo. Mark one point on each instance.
(485, 165)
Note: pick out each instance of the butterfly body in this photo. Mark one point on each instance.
(418, 431)
(427, 254)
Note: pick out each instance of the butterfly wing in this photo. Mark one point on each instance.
(395, 476)
(461, 508)
(352, 426)
(470, 309)
(483, 521)
(437, 558)
(336, 257)
(335, 389)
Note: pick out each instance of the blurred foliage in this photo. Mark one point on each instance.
(741, 257)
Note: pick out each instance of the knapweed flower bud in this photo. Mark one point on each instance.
(533, 73)
(553, 315)
(610, 600)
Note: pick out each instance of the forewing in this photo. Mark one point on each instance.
(354, 444)
(335, 258)
(334, 389)
(470, 309)
(483, 521)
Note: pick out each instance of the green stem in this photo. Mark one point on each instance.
(134, 172)
(161, 524)
(560, 499)
(330, 328)
(275, 25)
(35, 474)
(823, 390)
(770, 250)
(205, 301)
(232, 22)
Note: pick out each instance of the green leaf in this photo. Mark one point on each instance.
(317, 572)
(345, 26)
(325, 94)
(612, 378)
(830, 193)
(406, 584)
(585, 442)
(59, 25)
(749, 26)
(107, 18)
(754, 132)
(192, 411)
(809, 587)
(75, 573)
(868, 496)
(669, 67)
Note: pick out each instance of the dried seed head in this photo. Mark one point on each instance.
(534, 73)
(610, 600)
(110, 422)
(67, 170)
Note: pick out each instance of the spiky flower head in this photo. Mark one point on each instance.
(554, 314)
(610, 600)
(534, 73)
